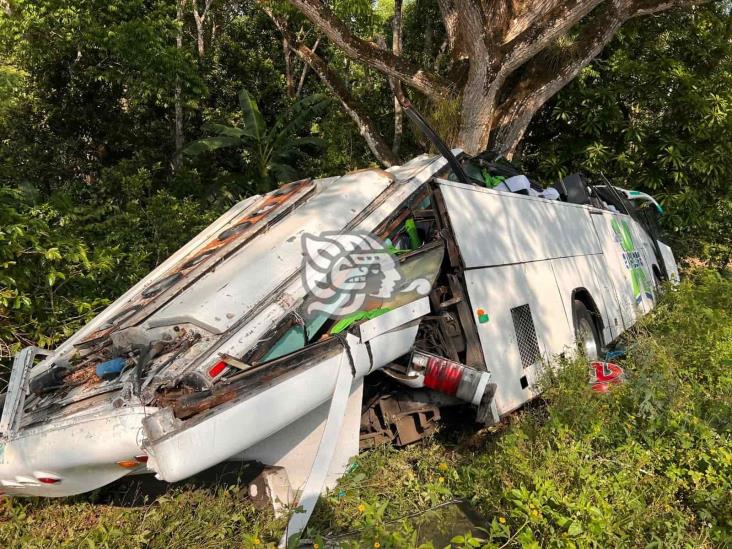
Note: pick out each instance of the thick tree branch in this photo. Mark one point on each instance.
(524, 15)
(396, 49)
(649, 7)
(305, 68)
(332, 81)
(465, 27)
(544, 28)
(503, 17)
(369, 53)
(541, 80)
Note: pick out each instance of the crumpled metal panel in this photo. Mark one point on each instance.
(258, 268)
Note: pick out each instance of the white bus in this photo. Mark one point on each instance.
(256, 339)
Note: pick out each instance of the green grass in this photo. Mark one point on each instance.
(647, 465)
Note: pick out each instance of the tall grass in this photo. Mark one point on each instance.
(648, 464)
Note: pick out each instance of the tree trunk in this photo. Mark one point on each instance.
(178, 99)
(200, 40)
(502, 44)
(396, 49)
(336, 86)
(476, 109)
(305, 68)
(289, 78)
(200, 19)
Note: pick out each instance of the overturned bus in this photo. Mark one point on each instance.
(261, 339)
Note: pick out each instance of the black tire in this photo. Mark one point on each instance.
(657, 282)
(586, 332)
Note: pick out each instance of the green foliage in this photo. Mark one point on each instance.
(35, 270)
(221, 517)
(655, 113)
(60, 262)
(98, 77)
(648, 464)
(273, 149)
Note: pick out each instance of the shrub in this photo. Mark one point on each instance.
(647, 464)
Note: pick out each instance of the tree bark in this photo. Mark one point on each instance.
(200, 20)
(289, 78)
(476, 109)
(396, 49)
(305, 68)
(508, 78)
(178, 99)
(335, 85)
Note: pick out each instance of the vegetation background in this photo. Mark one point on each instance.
(93, 194)
(95, 99)
(647, 465)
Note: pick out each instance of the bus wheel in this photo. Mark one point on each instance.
(657, 280)
(585, 331)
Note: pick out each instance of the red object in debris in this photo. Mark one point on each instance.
(443, 375)
(605, 374)
(601, 387)
(49, 480)
(217, 368)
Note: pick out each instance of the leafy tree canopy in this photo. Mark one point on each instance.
(90, 92)
(655, 114)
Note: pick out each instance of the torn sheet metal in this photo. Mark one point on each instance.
(387, 322)
(197, 380)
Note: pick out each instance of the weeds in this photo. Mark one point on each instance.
(648, 464)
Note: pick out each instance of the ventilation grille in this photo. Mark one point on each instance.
(528, 345)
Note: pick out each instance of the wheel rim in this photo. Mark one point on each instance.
(586, 339)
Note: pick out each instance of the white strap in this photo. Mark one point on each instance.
(324, 456)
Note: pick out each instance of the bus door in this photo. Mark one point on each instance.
(648, 257)
(625, 263)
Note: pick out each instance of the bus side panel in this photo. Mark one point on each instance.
(590, 272)
(645, 247)
(670, 262)
(515, 297)
(498, 228)
(615, 239)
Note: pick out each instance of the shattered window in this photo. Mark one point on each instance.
(416, 271)
(368, 275)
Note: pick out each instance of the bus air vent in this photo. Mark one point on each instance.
(528, 345)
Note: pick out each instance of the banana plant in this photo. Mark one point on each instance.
(272, 150)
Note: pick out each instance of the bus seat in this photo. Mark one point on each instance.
(517, 184)
(573, 189)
